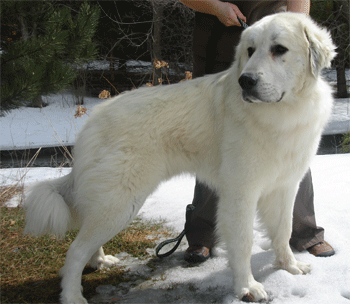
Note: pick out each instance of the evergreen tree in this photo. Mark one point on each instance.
(52, 42)
(335, 15)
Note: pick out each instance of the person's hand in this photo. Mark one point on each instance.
(227, 14)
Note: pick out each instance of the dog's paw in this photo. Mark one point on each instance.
(110, 261)
(254, 293)
(303, 267)
(105, 261)
(297, 268)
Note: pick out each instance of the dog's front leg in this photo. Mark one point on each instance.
(235, 219)
(277, 209)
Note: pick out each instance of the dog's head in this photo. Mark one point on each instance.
(278, 54)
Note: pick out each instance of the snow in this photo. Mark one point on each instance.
(131, 65)
(173, 280)
(339, 122)
(54, 125)
(328, 282)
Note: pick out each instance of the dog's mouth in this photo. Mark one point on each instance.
(252, 97)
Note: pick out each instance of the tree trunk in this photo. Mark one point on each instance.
(24, 29)
(158, 10)
(342, 91)
(342, 6)
(37, 102)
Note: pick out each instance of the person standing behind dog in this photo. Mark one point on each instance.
(216, 33)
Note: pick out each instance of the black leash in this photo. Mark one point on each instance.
(242, 23)
(178, 239)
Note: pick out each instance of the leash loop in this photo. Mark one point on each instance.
(178, 239)
(162, 244)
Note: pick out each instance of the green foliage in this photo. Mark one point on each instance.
(334, 14)
(345, 145)
(320, 10)
(52, 42)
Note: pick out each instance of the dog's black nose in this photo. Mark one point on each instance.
(247, 81)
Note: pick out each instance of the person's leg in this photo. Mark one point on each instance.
(200, 222)
(306, 234)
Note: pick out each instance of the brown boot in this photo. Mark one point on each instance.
(197, 254)
(322, 249)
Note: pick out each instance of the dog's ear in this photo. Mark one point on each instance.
(321, 47)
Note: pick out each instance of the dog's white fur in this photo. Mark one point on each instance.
(253, 153)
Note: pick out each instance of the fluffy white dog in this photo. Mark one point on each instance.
(248, 132)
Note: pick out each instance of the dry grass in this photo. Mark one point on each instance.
(6, 193)
(30, 265)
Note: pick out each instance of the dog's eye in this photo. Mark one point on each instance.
(278, 50)
(250, 51)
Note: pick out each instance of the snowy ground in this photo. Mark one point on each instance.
(173, 281)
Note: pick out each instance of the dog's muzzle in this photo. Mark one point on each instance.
(254, 91)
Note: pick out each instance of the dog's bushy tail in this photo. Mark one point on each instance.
(46, 207)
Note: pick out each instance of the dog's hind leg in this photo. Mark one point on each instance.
(98, 228)
(276, 211)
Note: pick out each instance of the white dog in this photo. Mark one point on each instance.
(248, 132)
